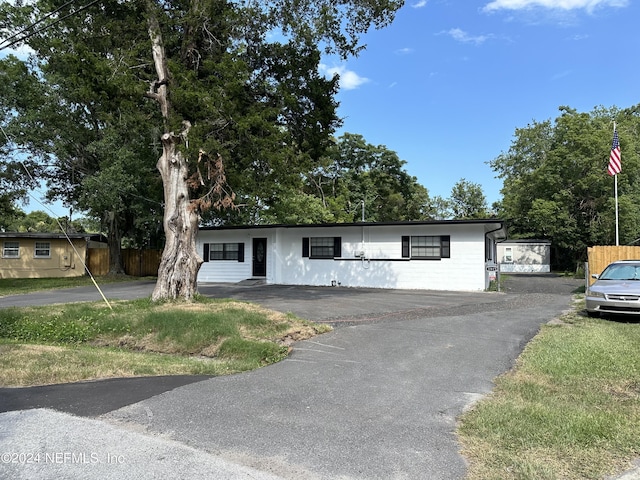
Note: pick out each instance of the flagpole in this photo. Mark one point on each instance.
(616, 195)
(614, 168)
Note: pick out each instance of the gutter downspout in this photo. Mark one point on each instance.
(495, 251)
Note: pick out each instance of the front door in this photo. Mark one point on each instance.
(259, 257)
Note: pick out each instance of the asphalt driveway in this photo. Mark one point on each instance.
(376, 398)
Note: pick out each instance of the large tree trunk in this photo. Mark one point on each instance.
(180, 261)
(114, 241)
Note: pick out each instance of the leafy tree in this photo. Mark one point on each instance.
(79, 111)
(467, 201)
(357, 175)
(441, 208)
(15, 183)
(218, 99)
(556, 186)
(39, 221)
(9, 213)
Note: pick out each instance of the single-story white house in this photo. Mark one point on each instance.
(431, 255)
(524, 256)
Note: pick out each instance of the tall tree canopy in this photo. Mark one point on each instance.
(224, 101)
(78, 113)
(556, 184)
(467, 201)
(356, 175)
(39, 221)
(15, 182)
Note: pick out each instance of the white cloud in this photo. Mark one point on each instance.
(419, 4)
(464, 37)
(404, 51)
(349, 80)
(588, 5)
(579, 37)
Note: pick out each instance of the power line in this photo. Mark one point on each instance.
(64, 231)
(35, 23)
(83, 171)
(22, 39)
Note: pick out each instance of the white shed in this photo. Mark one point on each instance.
(431, 255)
(525, 256)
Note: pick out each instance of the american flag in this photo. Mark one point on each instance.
(615, 165)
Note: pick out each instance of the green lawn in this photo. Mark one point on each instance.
(570, 409)
(81, 341)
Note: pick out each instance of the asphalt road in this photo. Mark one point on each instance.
(376, 398)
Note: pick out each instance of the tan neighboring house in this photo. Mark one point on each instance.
(42, 255)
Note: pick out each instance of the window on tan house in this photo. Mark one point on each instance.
(508, 254)
(42, 250)
(11, 249)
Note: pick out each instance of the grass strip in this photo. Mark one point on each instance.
(82, 341)
(17, 286)
(570, 409)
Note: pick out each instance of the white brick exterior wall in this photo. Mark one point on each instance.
(381, 267)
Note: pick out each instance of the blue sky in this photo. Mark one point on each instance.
(447, 84)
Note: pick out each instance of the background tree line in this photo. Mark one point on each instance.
(556, 186)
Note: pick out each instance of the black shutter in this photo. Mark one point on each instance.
(305, 247)
(205, 254)
(337, 246)
(405, 247)
(445, 246)
(241, 252)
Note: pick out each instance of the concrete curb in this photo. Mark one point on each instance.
(46, 444)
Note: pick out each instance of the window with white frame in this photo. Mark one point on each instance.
(426, 247)
(42, 250)
(508, 254)
(322, 247)
(224, 251)
(11, 249)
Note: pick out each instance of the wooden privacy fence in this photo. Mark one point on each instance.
(98, 261)
(602, 255)
(137, 263)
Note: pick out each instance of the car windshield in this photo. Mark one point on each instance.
(621, 272)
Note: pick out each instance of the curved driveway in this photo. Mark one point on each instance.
(376, 398)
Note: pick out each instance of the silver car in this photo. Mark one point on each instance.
(616, 290)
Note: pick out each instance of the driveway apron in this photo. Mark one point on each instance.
(377, 400)
(371, 399)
